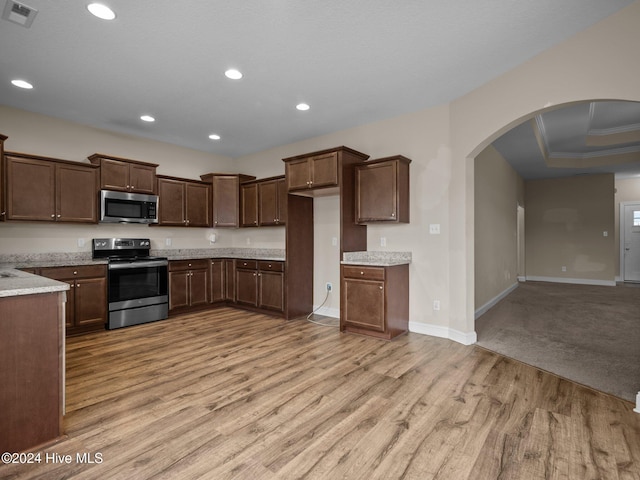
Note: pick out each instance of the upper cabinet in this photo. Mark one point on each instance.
(312, 172)
(272, 202)
(226, 197)
(382, 190)
(3, 212)
(183, 202)
(47, 189)
(249, 205)
(124, 175)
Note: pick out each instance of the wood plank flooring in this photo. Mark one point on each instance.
(231, 394)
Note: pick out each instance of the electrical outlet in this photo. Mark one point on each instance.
(564, 269)
(436, 304)
(167, 241)
(329, 287)
(383, 241)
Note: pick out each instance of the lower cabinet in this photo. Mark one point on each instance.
(188, 283)
(217, 292)
(260, 284)
(374, 301)
(86, 307)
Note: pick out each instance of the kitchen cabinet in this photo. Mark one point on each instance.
(312, 172)
(249, 205)
(125, 175)
(47, 189)
(217, 274)
(3, 211)
(382, 190)
(32, 371)
(374, 301)
(86, 308)
(188, 283)
(272, 201)
(183, 202)
(226, 197)
(260, 284)
(264, 202)
(230, 280)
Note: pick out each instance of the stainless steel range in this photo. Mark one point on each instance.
(137, 286)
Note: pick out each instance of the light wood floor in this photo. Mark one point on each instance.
(231, 394)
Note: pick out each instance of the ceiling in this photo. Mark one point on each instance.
(578, 139)
(353, 61)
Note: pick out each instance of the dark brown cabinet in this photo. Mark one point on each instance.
(230, 280)
(86, 308)
(226, 197)
(217, 274)
(3, 211)
(249, 205)
(272, 202)
(46, 189)
(314, 171)
(183, 202)
(382, 190)
(125, 175)
(260, 284)
(374, 301)
(188, 283)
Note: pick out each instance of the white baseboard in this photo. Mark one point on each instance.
(637, 409)
(327, 312)
(483, 309)
(443, 332)
(577, 281)
(522, 278)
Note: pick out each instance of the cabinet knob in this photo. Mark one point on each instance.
(254, 274)
(215, 223)
(53, 215)
(128, 186)
(380, 287)
(75, 272)
(189, 265)
(133, 186)
(393, 214)
(361, 273)
(58, 215)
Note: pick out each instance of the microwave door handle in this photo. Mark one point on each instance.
(143, 264)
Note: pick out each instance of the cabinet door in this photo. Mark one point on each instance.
(91, 301)
(178, 289)
(247, 287)
(324, 170)
(114, 175)
(197, 205)
(171, 202)
(30, 189)
(142, 179)
(271, 286)
(70, 306)
(376, 193)
(364, 304)
(230, 280)
(297, 174)
(249, 201)
(76, 193)
(3, 212)
(282, 201)
(217, 274)
(226, 201)
(268, 203)
(198, 287)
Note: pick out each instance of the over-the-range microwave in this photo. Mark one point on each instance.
(123, 207)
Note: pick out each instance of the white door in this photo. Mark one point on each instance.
(631, 243)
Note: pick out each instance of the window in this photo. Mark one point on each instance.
(636, 218)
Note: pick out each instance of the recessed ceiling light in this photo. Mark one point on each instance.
(21, 84)
(147, 118)
(233, 74)
(214, 136)
(303, 106)
(101, 11)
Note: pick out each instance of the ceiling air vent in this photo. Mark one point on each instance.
(19, 13)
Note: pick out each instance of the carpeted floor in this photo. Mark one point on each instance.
(588, 334)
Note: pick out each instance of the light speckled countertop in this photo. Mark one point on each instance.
(275, 254)
(378, 259)
(15, 282)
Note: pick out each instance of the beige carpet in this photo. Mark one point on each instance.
(588, 334)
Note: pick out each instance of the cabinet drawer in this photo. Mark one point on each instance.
(81, 271)
(177, 265)
(369, 273)
(249, 264)
(271, 266)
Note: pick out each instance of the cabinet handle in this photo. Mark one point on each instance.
(133, 186)
(53, 215)
(78, 285)
(361, 273)
(189, 265)
(75, 272)
(393, 214)
(128, 186)
(254, 274)
(58, 215)
(215, 223)
(380, 287)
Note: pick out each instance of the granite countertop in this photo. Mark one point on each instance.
(15, 282)
(41, 260)
(274, 254)
(377, 259)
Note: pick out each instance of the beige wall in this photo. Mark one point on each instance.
(566, 221)
(496, 190)
(442, 141)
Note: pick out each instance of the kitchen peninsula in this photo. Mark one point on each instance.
(31, 360)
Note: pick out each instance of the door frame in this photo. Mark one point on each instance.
(621, 232)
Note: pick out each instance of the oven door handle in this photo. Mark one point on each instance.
(138, 264)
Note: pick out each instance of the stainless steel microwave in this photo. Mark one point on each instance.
(123, 207)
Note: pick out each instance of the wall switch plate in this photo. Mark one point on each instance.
(605, 234)
(434, 229)
(167, 242)
(383, 241)
(81, 242)
(436, 304)
(334, 241)
(564, 269)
